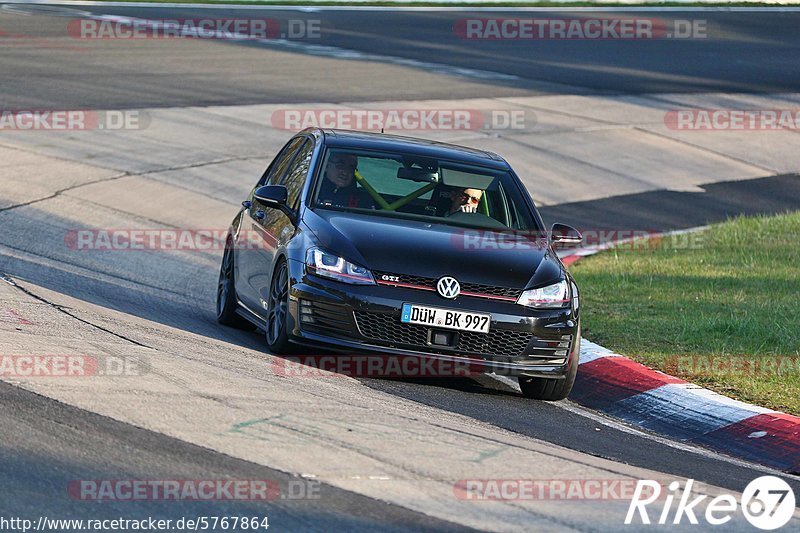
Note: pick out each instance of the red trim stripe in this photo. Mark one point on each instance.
(464, 293)
(489, 296)
(406, 285)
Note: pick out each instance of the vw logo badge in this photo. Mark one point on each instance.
(448, 287)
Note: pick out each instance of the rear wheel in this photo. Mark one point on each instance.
(226, 294)
(278, 311)
(550, 389)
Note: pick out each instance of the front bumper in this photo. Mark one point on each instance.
(366, 319)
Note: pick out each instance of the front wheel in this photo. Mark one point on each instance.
(278, 311)
(226, 294)
(550, 389)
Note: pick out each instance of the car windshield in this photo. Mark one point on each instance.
(414, 187)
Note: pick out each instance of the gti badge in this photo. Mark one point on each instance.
(448, 287)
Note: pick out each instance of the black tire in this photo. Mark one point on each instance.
(278, 311)
(549, 389)
(226, 294)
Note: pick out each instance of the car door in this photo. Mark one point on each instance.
(252, 243)
(276, 229)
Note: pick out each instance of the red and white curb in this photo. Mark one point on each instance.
(624, 389)
(569, 257)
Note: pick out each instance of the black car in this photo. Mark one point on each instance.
(359, 242)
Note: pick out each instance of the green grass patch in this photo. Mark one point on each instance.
(720, 308)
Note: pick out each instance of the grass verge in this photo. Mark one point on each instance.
(720, 308)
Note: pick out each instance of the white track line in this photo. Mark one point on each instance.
(320, 50)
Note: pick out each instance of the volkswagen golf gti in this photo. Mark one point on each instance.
(366, 242)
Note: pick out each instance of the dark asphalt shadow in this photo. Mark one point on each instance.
(670, 210)
(73, 445)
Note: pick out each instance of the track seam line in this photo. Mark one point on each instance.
(145, 174)
(87, 271)
(644, 129)
(55, 156)
(709, 150)
(63, 309)
(579, 161)
(60, 192)
(506, 99)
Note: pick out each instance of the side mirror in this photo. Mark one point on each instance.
(275, 196)
(566, 235)
(271, 195)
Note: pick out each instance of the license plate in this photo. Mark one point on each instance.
(445, 318)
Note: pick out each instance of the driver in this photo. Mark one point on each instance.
(464, 201)
(339, 184)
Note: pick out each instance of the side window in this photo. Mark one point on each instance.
(296, 176)
(275, 171)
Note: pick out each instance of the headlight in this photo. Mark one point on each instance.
(550, 297)
(332, 266)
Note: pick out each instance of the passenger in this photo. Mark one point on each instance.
(464, 201)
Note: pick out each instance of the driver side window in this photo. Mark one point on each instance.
(276, 170)
(296, 176)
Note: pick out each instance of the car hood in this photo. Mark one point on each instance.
(411, 247)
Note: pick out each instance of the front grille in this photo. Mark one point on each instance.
(475, 289)
(497, 342)
(388, 329)
(491, 290)
(419, 281)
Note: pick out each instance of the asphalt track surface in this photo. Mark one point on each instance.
(52, 442)
(740, 52)
(101, 448)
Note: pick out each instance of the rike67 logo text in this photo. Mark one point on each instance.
(767, 503)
